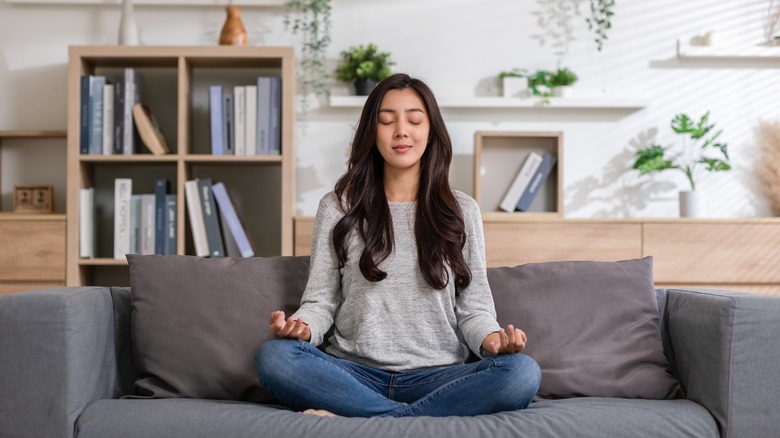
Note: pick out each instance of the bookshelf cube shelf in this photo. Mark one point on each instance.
(175, 85)
(499, 156)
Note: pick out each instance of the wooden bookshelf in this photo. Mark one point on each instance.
(174, 83)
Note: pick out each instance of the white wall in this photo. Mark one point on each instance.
(458, 47)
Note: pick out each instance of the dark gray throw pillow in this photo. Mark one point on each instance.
(197, 322)
(593, 327)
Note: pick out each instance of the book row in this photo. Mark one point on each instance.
(148, 223)
(528, 181)
(245, 119)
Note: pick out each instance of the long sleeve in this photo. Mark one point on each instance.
(475, 309)
(322, 295)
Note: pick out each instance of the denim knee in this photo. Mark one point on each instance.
(523, 376)
(274, 355)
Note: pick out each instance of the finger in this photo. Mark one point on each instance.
(275, 316)
(519, 342)
(289, 325)
(504, 340)
(510, 331)
(493, 347)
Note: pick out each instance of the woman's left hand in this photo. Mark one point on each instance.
(511, 340)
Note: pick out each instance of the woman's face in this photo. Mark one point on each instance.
(402, 131)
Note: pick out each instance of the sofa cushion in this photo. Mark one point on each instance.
(593, 327)
(196, 322)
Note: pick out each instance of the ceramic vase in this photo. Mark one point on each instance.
(563, 91)
(692, 204)
(515, 87)
(233, 32)
(128, 31)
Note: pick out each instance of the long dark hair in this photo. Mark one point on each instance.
(439, 228)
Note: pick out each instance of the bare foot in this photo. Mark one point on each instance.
(319, 413)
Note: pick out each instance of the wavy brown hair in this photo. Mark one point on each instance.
(439, 228)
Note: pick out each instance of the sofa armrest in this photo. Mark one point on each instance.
(57, 349)
(726, 350)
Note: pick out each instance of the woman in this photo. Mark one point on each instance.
(398, 272)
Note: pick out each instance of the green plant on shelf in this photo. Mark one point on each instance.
(364, 63)
(311, 19)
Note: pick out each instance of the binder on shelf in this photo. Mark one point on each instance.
(215, 119)
(210, 218)
(123, 189)
(540, 176)
(235, 227)
(160, 215)
(195, 214)
(149, 130)
(521, 181)
(87, 223)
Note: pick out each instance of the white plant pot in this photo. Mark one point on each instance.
(692, 204)
(128, 31)
(563, 91)
(515, 87)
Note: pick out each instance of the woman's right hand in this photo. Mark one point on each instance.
(289, 328)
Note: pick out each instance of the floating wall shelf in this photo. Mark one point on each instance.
(602, 102)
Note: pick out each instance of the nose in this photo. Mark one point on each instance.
(400, 129)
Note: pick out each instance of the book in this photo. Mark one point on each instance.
(210, 218)
(132, 95)
(119, 115)
(171, 224)
(263, 145)
(84, 125)
(274, 131)
(123, 189)
(149, 130)
(231, 247)
(87, 223)
(251, 120)
(227, 124)
(147, 223)
(108, 119)
(96, 115)
(523, 178)
(136, 221)
(195, 214)
(239, 124)
(540, 176)
(215, 119)
(235, 225)
(160, 215)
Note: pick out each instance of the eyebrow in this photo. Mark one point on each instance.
(388, 110)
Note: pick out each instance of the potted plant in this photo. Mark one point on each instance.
(701, 152)
(364, 66)
(561, 81)
(514, 82)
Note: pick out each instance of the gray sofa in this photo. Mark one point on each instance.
(67, 370)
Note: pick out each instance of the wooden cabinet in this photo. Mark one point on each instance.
(32, 246)
(175, 85)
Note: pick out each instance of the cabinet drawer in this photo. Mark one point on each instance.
(515, 243)
(32, 250)
(700, 253)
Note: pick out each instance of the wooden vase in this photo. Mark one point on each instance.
(233, 32)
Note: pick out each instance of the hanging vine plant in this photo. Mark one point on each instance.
(600, 20)
(311, 19)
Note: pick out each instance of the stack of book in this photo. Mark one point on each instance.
(217, 230)
(112, 118)
(528, 182)
(245, 119)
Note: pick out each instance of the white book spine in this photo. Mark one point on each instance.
(108, 119)
(86, 223)
(127, 129)
(147, 223)
(522, 180)
(251, 120)
(239, 114)
(196, 218)
(123, 189)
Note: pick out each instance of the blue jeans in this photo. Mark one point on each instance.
(303, 377)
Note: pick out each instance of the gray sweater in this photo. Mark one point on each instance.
(400, 323)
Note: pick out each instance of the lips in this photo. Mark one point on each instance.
(402, 148)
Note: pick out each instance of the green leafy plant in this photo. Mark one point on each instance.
(364, 62)
(563, 77)
(600, 20)
(514, 73)
(311, 19)
(654, 158)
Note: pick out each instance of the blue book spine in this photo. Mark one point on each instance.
(215, 114)
(96, 115)
(84, 116)
(160, 192)
(210, 218)
(276, 116)
(231, 217)
(263, 146)
(536, 182)
(171, 224)
(227, 124)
